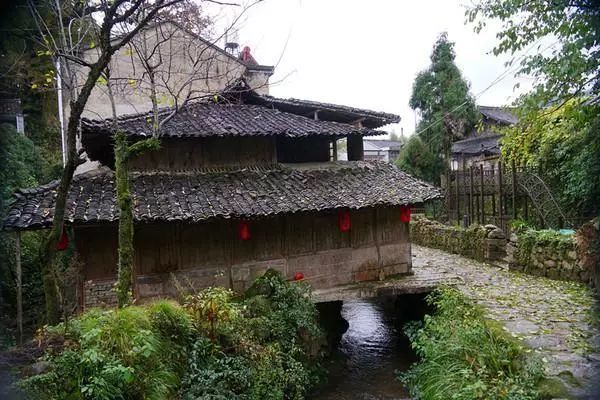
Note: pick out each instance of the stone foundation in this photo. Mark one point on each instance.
(554, 259)
(484, 243)
(323, 269)
(99, 293)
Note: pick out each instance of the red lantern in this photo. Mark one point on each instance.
(244, 230)
(298, 276)
(344, 220)
(405, 214)
(63, 242)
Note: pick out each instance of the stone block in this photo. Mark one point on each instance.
(496, 234)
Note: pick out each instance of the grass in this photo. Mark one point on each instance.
(464, 356)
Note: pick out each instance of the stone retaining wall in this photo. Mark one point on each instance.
(553, 256)
(484, 243)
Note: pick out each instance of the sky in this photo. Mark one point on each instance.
(367, 53)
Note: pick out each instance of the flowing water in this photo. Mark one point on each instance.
(369, 353)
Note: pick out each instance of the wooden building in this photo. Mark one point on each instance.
(482, 146)
(240, 184)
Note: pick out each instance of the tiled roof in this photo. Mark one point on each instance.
(501, 115)
(486, 144)
(208, 119)
(246, 193)
(328, 111)
(376, 144)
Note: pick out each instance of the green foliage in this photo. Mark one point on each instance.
(20, 167)
(131, 353)
(441, 95)
(417, 159)
(213, 309)
(465, 356)
(265, 345)
(564, 142)
(216, 347)
(468, 242)
(570, 28)
(547, 238)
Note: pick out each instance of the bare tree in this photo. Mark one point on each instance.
(156, 57)
(73, 26)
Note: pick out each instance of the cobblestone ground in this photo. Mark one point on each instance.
(558, 320)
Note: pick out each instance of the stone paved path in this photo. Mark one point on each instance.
(555, 319)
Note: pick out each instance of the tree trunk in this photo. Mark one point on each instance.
(49, 250)
(124, 202)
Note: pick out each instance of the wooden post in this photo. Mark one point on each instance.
(457, 199)
(334, 149)
(514, 189)
(494, 192)
(471, 219)
(355, 147)
(482, 195)
(477, 203)
(19, 282)
(466, 214)
(500, 196)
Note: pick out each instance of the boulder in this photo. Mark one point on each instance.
(496, 233)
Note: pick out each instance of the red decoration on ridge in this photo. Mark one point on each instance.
(298, 276)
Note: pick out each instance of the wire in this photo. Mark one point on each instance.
(497, 80)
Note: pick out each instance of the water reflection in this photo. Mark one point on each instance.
(370, 351)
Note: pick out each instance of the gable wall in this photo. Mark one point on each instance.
(182, 59)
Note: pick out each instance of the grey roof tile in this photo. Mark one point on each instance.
(245, 193)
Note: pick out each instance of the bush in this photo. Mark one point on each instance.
(130, 353)
(264, 345)
(464, 356)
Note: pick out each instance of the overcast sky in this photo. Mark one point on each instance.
(367, 53)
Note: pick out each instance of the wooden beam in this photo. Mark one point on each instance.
(358, 122)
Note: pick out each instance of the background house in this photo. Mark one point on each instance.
(483, 144)
(185, 64)
(382, 150)
(12, 113)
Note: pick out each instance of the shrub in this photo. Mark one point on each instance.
(129, 353)
(464, 356)
(264, 345)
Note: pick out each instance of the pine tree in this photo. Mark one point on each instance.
(448, 111)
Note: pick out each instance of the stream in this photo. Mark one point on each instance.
(371, 350)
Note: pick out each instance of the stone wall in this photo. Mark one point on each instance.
(99, 293)
(549, 254)
(485, 243)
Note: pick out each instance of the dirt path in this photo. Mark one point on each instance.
(554, 318)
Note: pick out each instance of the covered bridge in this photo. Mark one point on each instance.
(239, 185)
